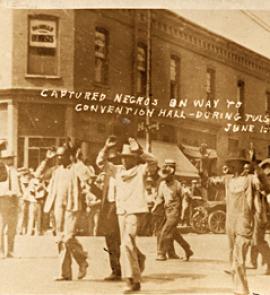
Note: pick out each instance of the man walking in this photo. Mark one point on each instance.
(64, 198)
(131, 203)
(10, 191)
(169, 193)
(108, 222)
(242, 193)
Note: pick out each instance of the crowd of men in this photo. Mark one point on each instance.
(130, 195)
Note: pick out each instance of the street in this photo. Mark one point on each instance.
(35, 266)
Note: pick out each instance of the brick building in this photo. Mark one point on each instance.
(105, 51)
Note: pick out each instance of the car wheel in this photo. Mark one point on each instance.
(216, 222)
(199, 221)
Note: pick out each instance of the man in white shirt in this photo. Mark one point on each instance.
(131, 202)
(65, 201)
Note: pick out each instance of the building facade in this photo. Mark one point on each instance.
(107, 51)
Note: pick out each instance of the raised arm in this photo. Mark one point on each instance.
(101, 159)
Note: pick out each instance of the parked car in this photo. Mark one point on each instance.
(209, 216)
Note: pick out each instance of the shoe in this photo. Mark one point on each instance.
(173, 256)
(142, 263)
(161, 257)
(266, 273)
(229, 272)
(61, 279)
(251, 266)
(132, 287)
(10, 255)
(82, 270)
(188, 255)
(113, 277)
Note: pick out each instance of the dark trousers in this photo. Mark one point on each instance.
(146, 226)
(169, 233)
(259, 244)
(109, 227)
(113, 246)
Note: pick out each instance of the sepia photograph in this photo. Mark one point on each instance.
(134, 148)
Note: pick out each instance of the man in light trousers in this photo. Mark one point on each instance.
(65, 201)
(131, 204)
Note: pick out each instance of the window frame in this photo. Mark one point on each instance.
(267, 102)
(141, 44)
(176, 83)
(241, 86)
(57, 49)
(105, 31)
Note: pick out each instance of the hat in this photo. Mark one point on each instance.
(265, 162)
(60, 151)
(112, 154)
(127, 152)
(149, 179)
(265, 165)
(169, 162)
(165, 172)
(6, 154)
(23, 171)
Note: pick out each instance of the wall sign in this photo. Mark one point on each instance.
(42, 33)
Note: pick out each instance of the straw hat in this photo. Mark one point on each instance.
(165, 171)
(127, 152)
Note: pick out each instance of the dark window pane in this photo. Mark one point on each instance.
(33, 156)
(101, 55)
(20, 162)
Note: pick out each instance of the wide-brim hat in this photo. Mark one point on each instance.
(169, 162)
(127, 152)
(265, 162)
(265, 165)
(6, 154)
(165, 172)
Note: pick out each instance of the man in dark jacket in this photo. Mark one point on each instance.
(108, 221)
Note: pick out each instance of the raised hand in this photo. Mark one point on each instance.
(50, 154)
(134, 146)
(110, 142)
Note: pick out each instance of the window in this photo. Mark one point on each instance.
(240, 96)
(233, 145)
(210, 84)
(141, 69)
(43, 46)
(101, 56)
(32, 150)
(268, 102)
(174, 77)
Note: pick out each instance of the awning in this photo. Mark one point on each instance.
(194, 151)
(164, 150)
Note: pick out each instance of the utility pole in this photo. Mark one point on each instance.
(148, 82)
